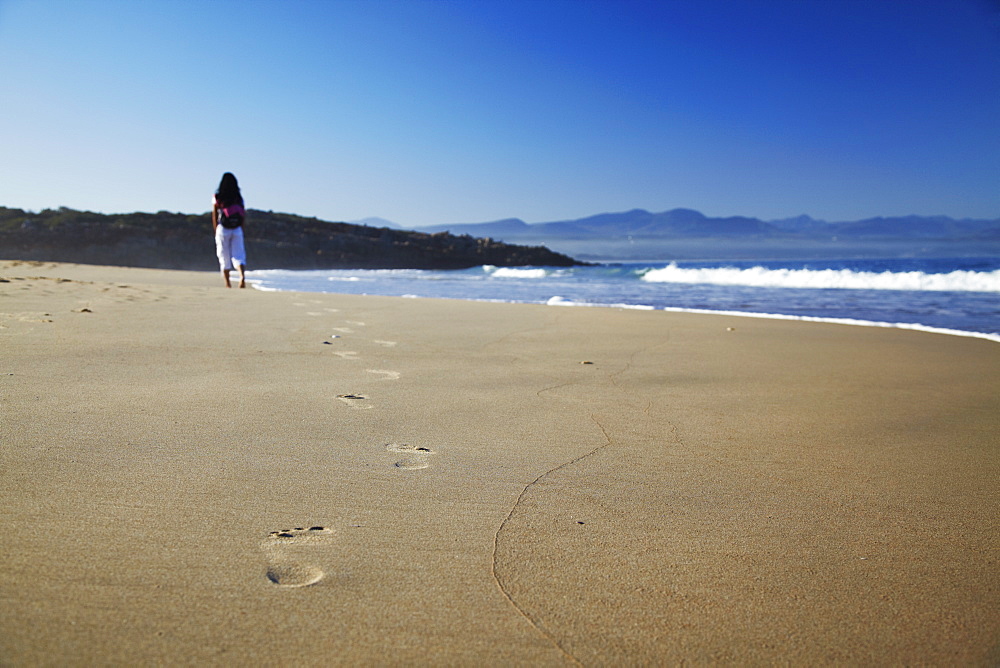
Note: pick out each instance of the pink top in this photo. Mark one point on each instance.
(232, 209)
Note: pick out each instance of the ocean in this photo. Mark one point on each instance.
(959, 296)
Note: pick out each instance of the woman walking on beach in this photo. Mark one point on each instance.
(228, 217)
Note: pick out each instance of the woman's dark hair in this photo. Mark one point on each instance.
(229, 191)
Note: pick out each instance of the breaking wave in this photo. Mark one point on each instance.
(761, 277)
(515, 272)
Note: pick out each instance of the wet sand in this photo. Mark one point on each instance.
(207, 476)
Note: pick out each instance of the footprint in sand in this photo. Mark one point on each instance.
(343, 330)
(355, 401)
(355, 322)
(347, 355)
(386, 375)
(292, 555)
(385, 344)
(414, 456)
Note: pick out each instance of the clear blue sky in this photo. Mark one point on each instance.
(428, 112)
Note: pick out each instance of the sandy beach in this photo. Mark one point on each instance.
(194, 475)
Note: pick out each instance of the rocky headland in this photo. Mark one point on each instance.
(167, 240)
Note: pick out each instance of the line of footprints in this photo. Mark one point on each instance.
(411, 457)
(288, 550)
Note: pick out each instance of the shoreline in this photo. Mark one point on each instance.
(202, 475)
(912, 326)
(557, 301)
(885, 296)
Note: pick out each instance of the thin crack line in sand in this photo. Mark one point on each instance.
(537, 625)
(542, 391)
(613, 377)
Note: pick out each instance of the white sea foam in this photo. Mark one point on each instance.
(842, 321)
(960, 281)
(560, 301)
(514, 272)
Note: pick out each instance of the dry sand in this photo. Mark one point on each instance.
(451, 484)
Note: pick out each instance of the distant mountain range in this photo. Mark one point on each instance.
(686, 233)
(687, 223)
